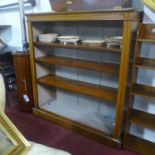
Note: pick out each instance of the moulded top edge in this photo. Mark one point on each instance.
(121, 14)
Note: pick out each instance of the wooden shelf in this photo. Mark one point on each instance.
(99, 92)
(139, 145)
(143, 90)
(146, 40)
(145, 63)
(146, 33)
(80, 47)
(83, 64)
(143, 119)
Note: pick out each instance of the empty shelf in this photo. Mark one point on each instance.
(139, 145)
(81, 114)
(145, 63)
(99, 92)
(143, 90)
(147, 40)
(83, 64)
(143, 119)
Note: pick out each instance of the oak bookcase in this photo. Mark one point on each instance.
(82, 87)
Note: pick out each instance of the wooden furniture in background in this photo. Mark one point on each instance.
(64, 5)
(45, 79)
(23, 81)
(141, 117)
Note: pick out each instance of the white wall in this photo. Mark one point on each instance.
(13, 36)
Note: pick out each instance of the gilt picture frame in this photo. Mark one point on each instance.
(11, 140)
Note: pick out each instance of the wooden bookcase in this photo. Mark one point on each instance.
(50, 83)
(140, 122)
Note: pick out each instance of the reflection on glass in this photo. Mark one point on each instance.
(5, 144)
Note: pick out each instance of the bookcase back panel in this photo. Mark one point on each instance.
(83, 109)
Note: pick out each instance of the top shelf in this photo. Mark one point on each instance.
(80, 47)
(146, 33)
(147, 40)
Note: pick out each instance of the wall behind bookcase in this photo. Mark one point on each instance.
(11, 17)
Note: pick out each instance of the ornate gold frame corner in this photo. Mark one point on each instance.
(20, 144)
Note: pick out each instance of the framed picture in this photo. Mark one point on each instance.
(11, 140)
